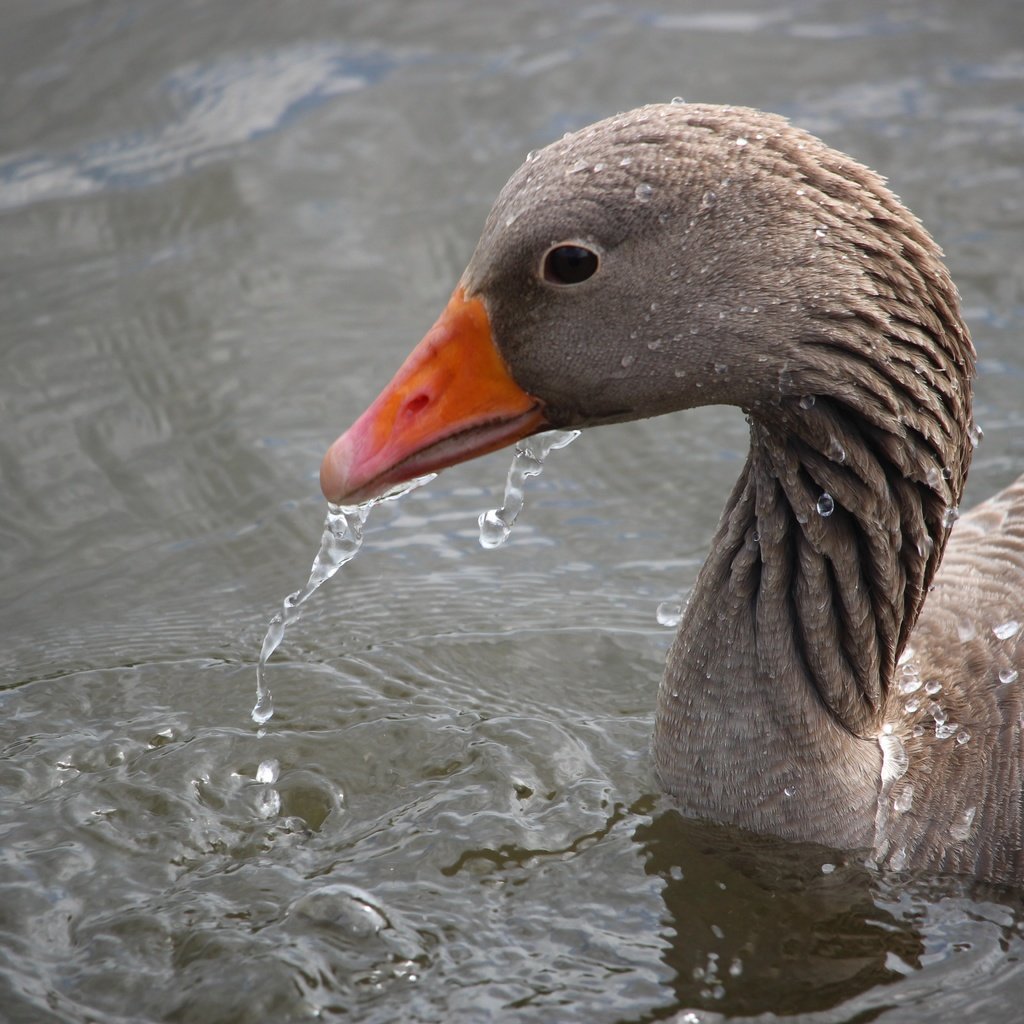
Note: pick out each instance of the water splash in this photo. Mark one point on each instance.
(340, 541)
(528, 461)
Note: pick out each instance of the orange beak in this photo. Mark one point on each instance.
(451, 400)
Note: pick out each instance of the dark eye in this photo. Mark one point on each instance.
(569, 264)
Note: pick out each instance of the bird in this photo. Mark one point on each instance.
(829, 682)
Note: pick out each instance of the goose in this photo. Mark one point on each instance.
(828, 682)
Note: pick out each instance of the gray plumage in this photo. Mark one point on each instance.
(744, 262)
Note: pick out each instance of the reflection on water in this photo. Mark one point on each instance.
(221, 229)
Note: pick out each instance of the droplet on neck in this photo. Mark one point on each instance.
(528, 461)
(826, 505)
(643, 192)
(950, 516)
(976, 435)
(1007, 676)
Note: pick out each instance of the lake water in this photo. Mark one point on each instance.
(222, 226)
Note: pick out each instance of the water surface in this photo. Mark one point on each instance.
(222, 227)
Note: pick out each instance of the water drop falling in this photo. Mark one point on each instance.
(340, 541)
(496, 524)
(669, 613)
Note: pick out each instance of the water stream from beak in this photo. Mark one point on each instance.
(340, 542)
(528, 461)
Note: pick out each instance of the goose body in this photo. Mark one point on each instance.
(828, 682)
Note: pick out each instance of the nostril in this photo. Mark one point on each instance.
(416, 405)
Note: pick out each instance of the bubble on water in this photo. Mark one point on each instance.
(826, 505)
(340, 542)
(528, 461)
(1006, 630)
(1008, 675)
(643, 192)
(669, 613)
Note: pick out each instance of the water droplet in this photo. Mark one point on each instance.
(668, 613)
(496, 524)
(950, 516)
(961, 831)
(627, 360)
(827, 869)
(836, 452)
(918, 731)
(1006, 630)
(598, 167)
(976, 434)
(643, 192)
(741, 142)
(820, 232)
(677, 100)
(932, 687)
(911, 684)
(580, 165)
(944, 730)
(721, 367)
(268, 803)
(826, 505)
(625, 161)
(895, 759)
(789, 790)
(966, 630)
(963, 736)
(1007, 676)
(912, 705)
(904, 799)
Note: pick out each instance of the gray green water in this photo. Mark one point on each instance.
(222, 227)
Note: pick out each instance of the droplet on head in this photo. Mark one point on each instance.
(1006, 630)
